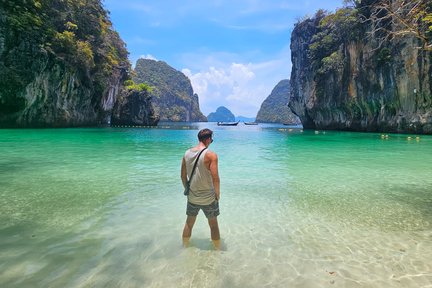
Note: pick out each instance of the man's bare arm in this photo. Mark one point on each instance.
(214, 171)
(183, 173)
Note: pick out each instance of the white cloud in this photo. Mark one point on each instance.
(241, 87)
(148, 56)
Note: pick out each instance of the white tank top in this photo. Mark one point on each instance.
(201, 188)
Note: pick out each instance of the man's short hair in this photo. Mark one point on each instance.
(204, 134)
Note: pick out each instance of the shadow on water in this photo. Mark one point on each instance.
(12, 165)
(205, 244)
(417, 196)
(36, 256)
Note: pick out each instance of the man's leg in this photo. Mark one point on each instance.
(214, 230)
(187, 230)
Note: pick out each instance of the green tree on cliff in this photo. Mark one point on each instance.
(333, 30)
(398, 18)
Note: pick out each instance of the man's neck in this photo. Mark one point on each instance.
(200, 146)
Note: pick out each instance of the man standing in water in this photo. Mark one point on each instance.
(204, 188)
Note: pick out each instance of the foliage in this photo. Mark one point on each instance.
(85, 53)
(77, 33)
(172, 93)
(334, 30)
(131, 85)
(65, 42)
(334, 62)
(160, 74)
(71, 26)
(326, 49)
(275, 108)
(19, 20)
(391, 19)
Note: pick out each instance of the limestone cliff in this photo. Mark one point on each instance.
(343, 78)
(172, 94)
(61, 63)
(275, 108)
(134, 108)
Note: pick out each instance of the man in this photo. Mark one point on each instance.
(204, 188)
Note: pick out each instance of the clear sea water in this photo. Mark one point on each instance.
(103, 207)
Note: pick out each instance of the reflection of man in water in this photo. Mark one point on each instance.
(205, 186)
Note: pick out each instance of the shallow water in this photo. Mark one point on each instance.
(103, 207)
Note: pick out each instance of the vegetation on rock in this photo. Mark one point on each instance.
(131, 85)
(275, 108)
(365, 68)
(171, 91)
(56, 39)
(391, 19)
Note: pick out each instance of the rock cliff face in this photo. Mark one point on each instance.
(343, 80)
(275, 108)
(172, 94)
(134, 108)
(60, 96)
(61, 64)
(222, 114)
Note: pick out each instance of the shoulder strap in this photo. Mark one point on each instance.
(194, 167)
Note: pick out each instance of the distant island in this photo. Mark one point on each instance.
(222, 114)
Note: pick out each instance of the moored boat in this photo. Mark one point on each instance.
(250, 123)
(228, 123)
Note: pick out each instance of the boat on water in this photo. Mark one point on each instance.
(250, 123)
(228, 123)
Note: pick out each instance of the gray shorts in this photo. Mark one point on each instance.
(210, 211)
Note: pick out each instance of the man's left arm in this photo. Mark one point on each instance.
(183, 173)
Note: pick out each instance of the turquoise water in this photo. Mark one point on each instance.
(103, 207)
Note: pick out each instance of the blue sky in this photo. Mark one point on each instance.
(234, 52)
